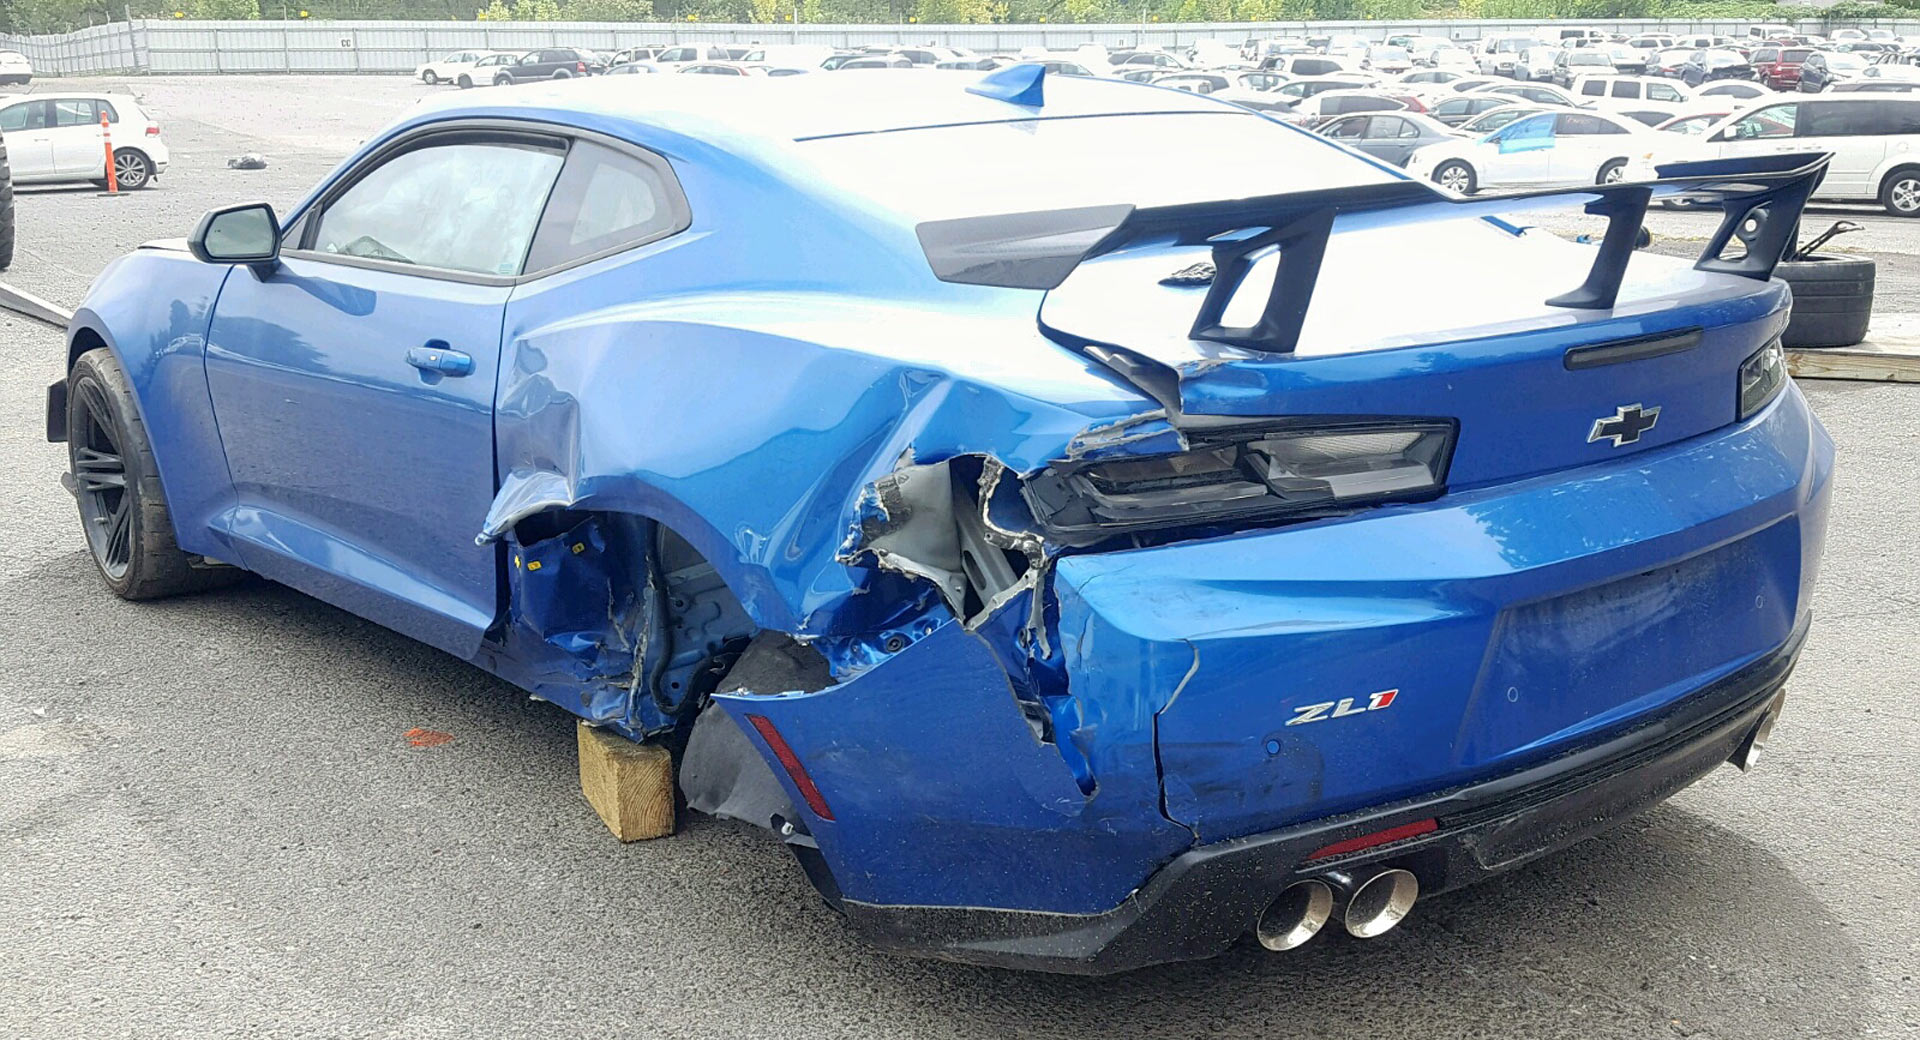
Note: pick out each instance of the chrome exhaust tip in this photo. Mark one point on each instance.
(1302, 909)
(1747, 755)
(1376, 903)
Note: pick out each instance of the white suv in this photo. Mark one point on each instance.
(1874, 140)
(56, 137)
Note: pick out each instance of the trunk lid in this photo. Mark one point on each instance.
(1384, 336)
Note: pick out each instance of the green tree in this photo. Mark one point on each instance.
(608, 10)
(224, 10)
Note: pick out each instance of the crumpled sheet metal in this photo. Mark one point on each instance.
(939, 720)
(617, 414)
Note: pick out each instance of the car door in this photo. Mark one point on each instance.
(1850, 132)
(78, 151)
(29, 142)
(1390, 139)
(1768, 130)
(1522, 152)
(353, 382)
(1582, 142)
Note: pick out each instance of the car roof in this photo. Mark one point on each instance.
(801, 107)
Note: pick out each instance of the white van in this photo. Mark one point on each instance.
(1497, 55)
(1762, 33)
(1632, 93)
(1874, 140)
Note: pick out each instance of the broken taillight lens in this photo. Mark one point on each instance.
(1245, 476)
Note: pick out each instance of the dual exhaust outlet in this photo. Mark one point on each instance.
(1370, 904)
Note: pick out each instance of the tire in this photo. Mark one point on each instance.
(1459, 172)
(6, 209)
(1522, 74)
(1899, 193)
(1832, 300)
(132, 169)
(465, 81)
(430, 78)
(1613, 172)
(503, 80)
(123, 509)
(562, 74)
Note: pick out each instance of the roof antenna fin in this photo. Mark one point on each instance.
(1019, 84)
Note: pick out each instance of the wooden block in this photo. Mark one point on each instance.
(1891, 354)
(630, 785)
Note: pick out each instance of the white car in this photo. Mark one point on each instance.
(454, 68)
(1736, 89)
(1549, 149)
(1449, 56)
(1535, 62)
(1632, 93)
(1346, 45)
(56, 137)
(688, 54)
(15, 68)
(1388, 60)
(1874, 140)
(1241, 88)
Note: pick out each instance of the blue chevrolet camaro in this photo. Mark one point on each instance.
(1070, 515)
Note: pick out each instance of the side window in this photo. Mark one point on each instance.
(1662, 92)
(1897, 117)
(606, 199)
(28, 115)
(1593, 88)
(75, 112)
(1828, 119)
(1348, 129)
(1772, 121)
(1626, 88)
(1576, 125)
(460, 206)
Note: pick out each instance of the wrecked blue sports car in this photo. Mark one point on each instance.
(1068, 514)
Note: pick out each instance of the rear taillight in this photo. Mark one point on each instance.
(581, 67)
(153, 129)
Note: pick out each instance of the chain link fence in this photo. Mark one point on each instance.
(181, 46)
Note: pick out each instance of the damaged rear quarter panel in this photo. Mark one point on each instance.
(676, 382)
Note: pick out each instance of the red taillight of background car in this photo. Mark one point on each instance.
(581, 67)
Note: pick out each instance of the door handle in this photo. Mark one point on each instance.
(436, 356)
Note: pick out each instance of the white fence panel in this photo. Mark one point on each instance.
(183, 46)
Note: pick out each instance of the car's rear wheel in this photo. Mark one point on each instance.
(123, 510)
(1456, 177)
(1900, 194)
(464, 81)
(132, 169)
(1613, 172)
(562, 74)
(502, 80)
(430, 78)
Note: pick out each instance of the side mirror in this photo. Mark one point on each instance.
(244, 234)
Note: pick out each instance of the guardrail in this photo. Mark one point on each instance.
(180, 46)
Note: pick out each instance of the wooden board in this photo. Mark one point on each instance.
(630, 785)
(1891, 354)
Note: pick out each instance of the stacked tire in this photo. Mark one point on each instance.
(1832, 300)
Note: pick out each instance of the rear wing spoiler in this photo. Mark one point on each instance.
(1760, 200)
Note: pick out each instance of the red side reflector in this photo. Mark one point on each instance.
(1367, 841)
(791, 763)
(153, 129)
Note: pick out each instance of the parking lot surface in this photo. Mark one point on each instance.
(212, 824)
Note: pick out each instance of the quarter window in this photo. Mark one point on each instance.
(605, 199)
(1773, 121)
(467, 206)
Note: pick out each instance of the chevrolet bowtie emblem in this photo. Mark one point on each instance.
(1625, 425)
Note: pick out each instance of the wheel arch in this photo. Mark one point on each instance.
(1891, 168)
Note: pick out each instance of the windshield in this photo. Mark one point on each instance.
(937, 173)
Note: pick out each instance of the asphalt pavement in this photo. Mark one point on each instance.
(211, 823)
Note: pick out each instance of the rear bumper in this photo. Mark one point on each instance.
(1206, 898)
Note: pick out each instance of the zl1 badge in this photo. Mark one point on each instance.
(1342, 708)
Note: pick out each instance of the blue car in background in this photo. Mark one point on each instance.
(1016, 494)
